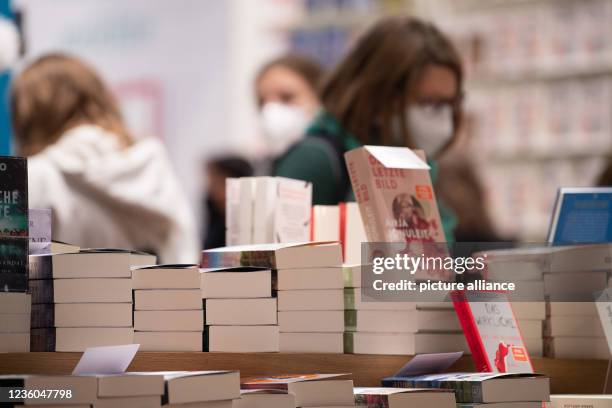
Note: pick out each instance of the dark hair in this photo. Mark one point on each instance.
(307, 68)
(605, 178)
(55, 93)
(370, 85)
(231, 166)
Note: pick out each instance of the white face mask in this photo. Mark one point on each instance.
(430, 128)
(283, 125)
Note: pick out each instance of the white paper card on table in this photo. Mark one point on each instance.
(106, 360)
(397, 157)
(429, 363)
(604, 309)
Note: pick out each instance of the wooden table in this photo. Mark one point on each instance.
(567, 376)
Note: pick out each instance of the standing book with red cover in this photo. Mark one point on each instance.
(492, 332)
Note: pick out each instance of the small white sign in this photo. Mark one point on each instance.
(106, 360)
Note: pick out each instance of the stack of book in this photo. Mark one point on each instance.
(526, 268)
(129, 390)
(309, 390)
(309, 285)
(438, 329)
(267, 209)
(311, 302)
(201, 389)
(52, 390)
(403, 397)
(14, 303)
(241, 313)
(82, 300)
(376, 327)
(574, 329)
(482, 389)
(265, 399)
(168, 312)
(15, 309)
(407, 328)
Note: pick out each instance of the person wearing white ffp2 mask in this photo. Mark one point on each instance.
(282, 125)
(430, 127)
(430, 113)
(286, 90)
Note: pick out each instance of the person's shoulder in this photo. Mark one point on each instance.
(309, 151)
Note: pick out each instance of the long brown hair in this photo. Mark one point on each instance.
(56, 93)
(307, 68)
(370, 86)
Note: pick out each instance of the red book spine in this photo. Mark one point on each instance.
(470, 330)
(312, 223)
(342, 226)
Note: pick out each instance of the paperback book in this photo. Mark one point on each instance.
(492, 332)
(13, 224)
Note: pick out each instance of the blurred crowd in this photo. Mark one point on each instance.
(401, 84)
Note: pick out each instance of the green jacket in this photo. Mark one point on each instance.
(320, 162)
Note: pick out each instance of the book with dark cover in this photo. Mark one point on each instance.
(13, 224)
(42, 339)
(40, 266)
(13, 197)
(13, 264)
(41, 290)
(480, 387)
(43, 315)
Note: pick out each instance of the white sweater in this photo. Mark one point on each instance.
(103, 195)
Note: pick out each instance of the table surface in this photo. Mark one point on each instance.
(567, 376)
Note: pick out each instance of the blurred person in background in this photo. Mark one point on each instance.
(286, 89)
(459, 187)
(217, 171)
(400, 85)
(105, 188)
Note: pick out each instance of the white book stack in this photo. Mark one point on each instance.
(15, 309)
(526, 268)
(168, 312)
(397, 327)
(195, 389)
(201, 389)
(308, 283)
(311, 306)
(134, 390)
(267, 209)
(438, 329)
(241, 313)
(83, 299)
(573, 329)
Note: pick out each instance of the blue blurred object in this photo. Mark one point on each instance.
(582, 215)
(5, 78)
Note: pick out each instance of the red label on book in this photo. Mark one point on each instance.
(424, 192)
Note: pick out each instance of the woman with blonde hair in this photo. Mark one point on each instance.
(105, 188)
